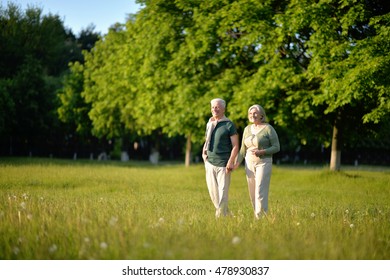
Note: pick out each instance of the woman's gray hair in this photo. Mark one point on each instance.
(260, 110)
(220, 101)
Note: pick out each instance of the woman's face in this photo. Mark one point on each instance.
(254, 116)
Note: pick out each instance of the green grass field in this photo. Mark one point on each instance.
(59, 209)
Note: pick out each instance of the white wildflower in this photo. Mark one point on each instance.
(236, 240)
(169, 253)
(16, 250)
(113, 221)
(103, 245)
(53, 248)
(159, 223)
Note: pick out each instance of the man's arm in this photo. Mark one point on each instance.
(233, 153)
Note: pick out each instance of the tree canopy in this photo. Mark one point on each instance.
(35, 50)
(315, 66)
(320, 69)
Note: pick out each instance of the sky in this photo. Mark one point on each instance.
(79, 14)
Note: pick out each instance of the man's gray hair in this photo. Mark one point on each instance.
(220, 101)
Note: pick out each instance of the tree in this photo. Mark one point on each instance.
(88, 38)
(73, 109)
(316, 73)
(170, 88)
(196, 55)
(134, 62)
(302, 60)
(33, 56)
(348, 48)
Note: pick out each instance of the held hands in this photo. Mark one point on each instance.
(236, 165)
(229, 167)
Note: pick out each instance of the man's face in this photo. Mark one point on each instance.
(217, 110)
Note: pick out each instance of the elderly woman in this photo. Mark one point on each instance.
(259, 142)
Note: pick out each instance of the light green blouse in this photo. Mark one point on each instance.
(266, 139)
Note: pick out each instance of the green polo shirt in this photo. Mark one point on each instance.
(220, 143)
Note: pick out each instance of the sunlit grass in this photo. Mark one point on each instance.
(53, 209)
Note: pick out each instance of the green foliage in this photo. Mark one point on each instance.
(308, 63)
(106, 85)
(73, 109)
(7, 105)
(56, 209)
(300, 59)
(34, 53)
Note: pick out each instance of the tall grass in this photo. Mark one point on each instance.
(53, 209)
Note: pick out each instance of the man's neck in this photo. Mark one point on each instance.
(217, 118)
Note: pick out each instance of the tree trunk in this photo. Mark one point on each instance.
(188, 151)
(125, 143)
(335, 156)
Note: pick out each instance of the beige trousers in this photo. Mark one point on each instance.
(258, 175)
(218, 183)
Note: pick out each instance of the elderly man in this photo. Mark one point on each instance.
(219, 154)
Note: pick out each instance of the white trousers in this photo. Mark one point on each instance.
(258, 175)
(218, 183)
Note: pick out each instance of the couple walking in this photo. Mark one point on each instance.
(222, 154)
